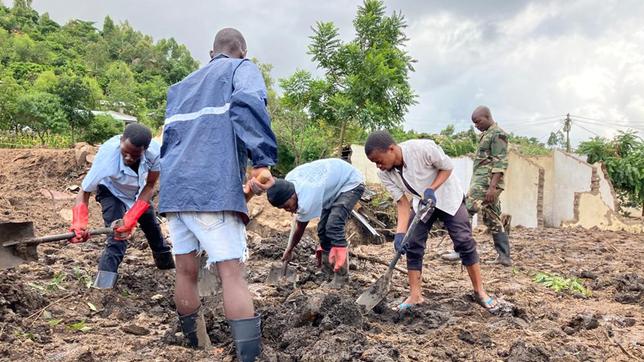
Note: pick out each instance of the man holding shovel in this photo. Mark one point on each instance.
(216, 120)
(123, 175)
(328, 189)
(421, 168)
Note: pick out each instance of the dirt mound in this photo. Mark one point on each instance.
(630, 289)
(47, 311)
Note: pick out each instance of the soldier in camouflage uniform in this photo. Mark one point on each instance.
(490, 163)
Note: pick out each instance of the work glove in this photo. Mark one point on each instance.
(429, 195)
(337, 257)
(398, 239)
(130, 219)
(80, 218)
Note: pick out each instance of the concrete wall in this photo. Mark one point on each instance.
(547, 163)
(554, 191)
(605, 187)
(591, 211)
(521, 196)
(571, 175)
(360, 161)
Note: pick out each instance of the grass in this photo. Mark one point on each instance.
(21, 140)
(561, 284)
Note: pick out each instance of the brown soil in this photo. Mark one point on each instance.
(47, 312)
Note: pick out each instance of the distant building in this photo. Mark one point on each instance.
(126, 118)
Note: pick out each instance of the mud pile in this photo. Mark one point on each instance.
(47, 311)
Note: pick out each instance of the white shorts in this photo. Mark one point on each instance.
(221, 234)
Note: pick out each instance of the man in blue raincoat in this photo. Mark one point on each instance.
(216, 120)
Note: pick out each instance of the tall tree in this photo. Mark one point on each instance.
(624, 160)
(366, 79)
(77, 100)
(42, 113)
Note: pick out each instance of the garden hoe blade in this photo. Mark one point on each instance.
(16, 254)
(279, 271)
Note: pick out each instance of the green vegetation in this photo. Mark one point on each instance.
(52, 76)
(624, 160)
(560, 284)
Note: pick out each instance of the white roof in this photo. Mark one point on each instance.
(117, 115)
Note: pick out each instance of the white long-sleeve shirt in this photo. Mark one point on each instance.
(422, 159)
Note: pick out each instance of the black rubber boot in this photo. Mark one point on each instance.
(105, 280)
(247, 335)
(502, 246)
(193, 327)
(341, 277)
(327, 268)
(163, 260)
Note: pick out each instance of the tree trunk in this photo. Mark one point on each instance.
(343, 130)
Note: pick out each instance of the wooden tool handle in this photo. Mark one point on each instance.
(58, 237)
(263, 177)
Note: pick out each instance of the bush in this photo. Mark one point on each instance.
(102, 128)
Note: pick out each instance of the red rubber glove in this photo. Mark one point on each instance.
(132, 216)
(338, 256)
(80, 218)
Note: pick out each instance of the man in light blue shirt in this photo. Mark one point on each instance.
(123, 176)
(328, 189)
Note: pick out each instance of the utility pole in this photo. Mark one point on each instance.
(566, 128)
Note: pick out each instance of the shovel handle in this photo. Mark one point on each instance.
(50, 238)
(421, 212)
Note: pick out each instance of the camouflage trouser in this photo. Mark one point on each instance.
(491, 213)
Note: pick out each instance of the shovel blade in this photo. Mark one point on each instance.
(208, 282)
(376, 293)
(280, 273)
(11, 256)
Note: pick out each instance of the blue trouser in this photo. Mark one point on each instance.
(114, 209)
(459, 230)
(334, 218)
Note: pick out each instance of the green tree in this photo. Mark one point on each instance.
(366, 79)
(46, 81)
(77, 101)
(624, 160)
(10, 90)
(42, 113)
(102, 128)
(121, 87)
(556, 139)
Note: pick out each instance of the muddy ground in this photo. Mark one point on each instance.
(47, 311)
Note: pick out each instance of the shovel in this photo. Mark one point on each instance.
(379, 290)
(279, 270)
(19, 244)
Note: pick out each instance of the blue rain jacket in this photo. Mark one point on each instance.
(216, 120)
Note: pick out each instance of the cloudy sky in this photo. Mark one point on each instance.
(531, 62)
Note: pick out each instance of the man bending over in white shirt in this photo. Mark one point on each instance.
(421, 168)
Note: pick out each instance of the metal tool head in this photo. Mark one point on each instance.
(280, 273)
(13, 255)
(377, 292)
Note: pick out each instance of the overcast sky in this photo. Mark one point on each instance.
(526, 60)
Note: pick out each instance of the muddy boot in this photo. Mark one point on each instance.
(341, 277)
(506, 220)
(247, 335)
(163, 260)
(193, 327)
(105, 280)
(327, 268)
(502, 246)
